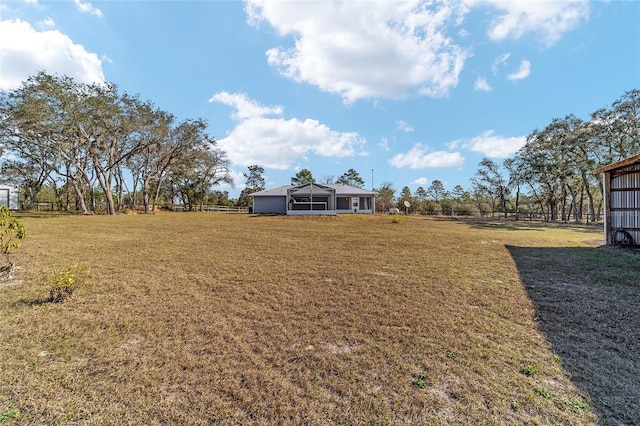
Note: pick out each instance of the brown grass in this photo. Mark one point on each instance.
(207, 318)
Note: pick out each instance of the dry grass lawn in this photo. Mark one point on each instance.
(212, 318)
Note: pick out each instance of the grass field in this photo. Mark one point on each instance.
(212, 318)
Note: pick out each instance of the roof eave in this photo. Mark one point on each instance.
(619, 164)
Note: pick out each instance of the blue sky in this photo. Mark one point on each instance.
(415, 91)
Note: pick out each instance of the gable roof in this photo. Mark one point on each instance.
(339, 188)
(623, 163)
(273, 192)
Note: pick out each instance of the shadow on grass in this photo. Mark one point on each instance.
(42, 215)
(587, 303)
(34, 302)
(520, 225)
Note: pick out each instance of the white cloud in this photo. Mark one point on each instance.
(384, 143)
(277, 142)
(495, 146)
(87, 7)
(26, 51)
(547, 20)
(421, 181)
(239, 181)
(366, 50)
(500, 61)
(522, 73)
(244, 107)
(482, 85)
(418, 157)
(404, 126)
(48, 22)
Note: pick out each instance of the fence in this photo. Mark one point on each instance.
(101, 207)
(227, 209)
(522, 216)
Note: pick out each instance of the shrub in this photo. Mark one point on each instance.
(396, 218)
(530, 370)
(11, 231)
(9, 415)
(420, 380)
(61, 283)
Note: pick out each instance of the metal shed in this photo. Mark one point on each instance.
(9, 197)
(621, 183)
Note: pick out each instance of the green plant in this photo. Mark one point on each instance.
(542, 392)
(515, 405)
(63, 282)
(11, 231)
(576, 404)
(530, 370)
(396, 218)
(420, 380)
(11, 414)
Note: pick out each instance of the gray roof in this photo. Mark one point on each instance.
(339, 188)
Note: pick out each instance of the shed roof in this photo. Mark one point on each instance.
(623, 163)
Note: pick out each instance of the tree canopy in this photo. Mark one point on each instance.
(351, 177)
(302, 177)
(83, 137)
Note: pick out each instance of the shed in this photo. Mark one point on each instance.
(9, 197)
(621, 184)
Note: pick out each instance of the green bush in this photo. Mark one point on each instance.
(11, 231)
(530, 370)
(61, 283)
(396, 218)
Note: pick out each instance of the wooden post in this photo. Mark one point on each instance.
(606, 195)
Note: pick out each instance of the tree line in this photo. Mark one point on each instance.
(550, 177)
(83, 144)
(90, 142)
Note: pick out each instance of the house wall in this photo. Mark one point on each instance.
(270, 205)
(9, 197)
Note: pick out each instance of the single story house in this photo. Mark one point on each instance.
(314, 199)
(9, 197)
(621, 183)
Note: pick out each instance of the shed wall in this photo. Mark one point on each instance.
(624, 203)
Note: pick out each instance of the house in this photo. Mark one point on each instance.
(314, 199)
(9, 197)
(621, 183)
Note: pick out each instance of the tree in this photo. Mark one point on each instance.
(405, 195)
(351, 177)
(302, 177)
(420, 198)
(386, 196)
(160, 144)
(40, 125)
(491, 182)
(254, 182)
(193, 177)
(84, 136)
(436, 191)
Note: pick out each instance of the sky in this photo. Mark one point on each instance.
(403, 92)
